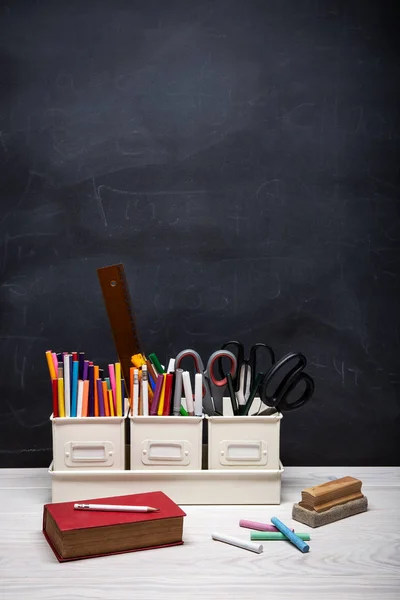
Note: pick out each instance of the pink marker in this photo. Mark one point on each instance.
(258, 526)
(111, 371)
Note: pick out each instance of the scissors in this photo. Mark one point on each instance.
(248, 368)
(213, 386)
(283, 397)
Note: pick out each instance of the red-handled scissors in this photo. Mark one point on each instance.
(213, 384)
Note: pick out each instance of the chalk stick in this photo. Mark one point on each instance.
(292, 537)
(275, 535)
(257, 525)
(220, 537)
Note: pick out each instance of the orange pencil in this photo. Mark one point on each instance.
(85, 398)
(105, 398)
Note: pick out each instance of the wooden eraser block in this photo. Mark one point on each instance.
(315, 519)
(327, 495)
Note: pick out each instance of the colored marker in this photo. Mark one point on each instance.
(160, 410)
(177, 392)
(74, 387)
(100, 399)
(111, 370)
(258, 548)
(291, 536)
(187, 387)
(156, 397)
(156, 363)
(198, 394)
(67, 386)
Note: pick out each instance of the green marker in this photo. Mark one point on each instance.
(183, 412)
(275, 535)
(156, 363)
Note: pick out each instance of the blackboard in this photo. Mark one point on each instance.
(240, 158)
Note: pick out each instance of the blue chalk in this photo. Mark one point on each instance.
(291, 536)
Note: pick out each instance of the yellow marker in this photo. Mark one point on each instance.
(111, 402)
(50, 364)
(118, 390)
(160, 409)
(138, 360)
(61, 408)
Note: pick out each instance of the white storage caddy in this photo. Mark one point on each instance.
(89, 443)
(166, 442)
(179, 475)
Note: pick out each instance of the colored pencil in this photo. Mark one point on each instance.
(61, 408)
(105, 399)
(96, 397)
(85, 398)
(54, 385)
(118, 388)
(50, 364)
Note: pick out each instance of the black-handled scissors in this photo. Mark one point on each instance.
(286, 385)
(248, 368)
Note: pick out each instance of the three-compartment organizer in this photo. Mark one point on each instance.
(110, 456)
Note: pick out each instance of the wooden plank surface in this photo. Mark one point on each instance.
(354, 558)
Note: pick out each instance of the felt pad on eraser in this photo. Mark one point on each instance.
(314, 519)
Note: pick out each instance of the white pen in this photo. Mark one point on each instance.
(198, 394)
(135, 392)
(145, 392)
(187, 388)
(115, 507)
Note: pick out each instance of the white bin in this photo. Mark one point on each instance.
(86, 443)
(166, 442)
(244, 442)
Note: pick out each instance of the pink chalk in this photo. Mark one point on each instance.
(258, 526)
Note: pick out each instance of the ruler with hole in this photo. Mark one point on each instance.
(120, 315)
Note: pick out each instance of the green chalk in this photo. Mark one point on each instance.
(275, 535)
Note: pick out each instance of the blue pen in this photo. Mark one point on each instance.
(292, 537)
(74, 387)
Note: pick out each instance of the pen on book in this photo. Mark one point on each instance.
(115, 507)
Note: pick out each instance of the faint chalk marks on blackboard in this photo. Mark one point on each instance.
(339, 370)
(267, 192)
(356, 375)
(99, 202)
(18, 418)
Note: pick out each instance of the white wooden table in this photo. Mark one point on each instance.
(358, 557)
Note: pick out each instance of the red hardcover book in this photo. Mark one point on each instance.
(75, 534)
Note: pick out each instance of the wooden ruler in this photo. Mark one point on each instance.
(120, 315)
